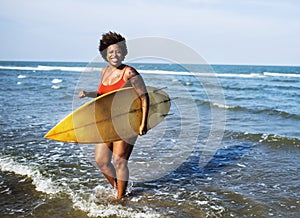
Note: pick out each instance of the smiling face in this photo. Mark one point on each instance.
(114, 55)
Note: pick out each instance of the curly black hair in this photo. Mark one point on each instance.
(111, 38)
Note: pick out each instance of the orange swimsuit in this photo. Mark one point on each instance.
(102, 89)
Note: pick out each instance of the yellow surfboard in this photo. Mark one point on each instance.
(111, 117)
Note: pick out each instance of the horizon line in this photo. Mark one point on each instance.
(84, 61)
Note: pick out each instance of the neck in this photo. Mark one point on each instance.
(113, 68)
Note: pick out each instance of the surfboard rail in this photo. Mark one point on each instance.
(110, 117)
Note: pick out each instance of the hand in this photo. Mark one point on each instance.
(143, 129)
(82, 94)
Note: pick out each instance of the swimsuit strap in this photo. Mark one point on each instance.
(102, 89)
(122, 77)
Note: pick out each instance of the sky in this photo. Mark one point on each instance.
(221, 31)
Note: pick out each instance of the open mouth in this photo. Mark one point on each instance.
(114, 60)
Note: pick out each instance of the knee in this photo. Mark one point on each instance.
(101, 163)
(120, 163)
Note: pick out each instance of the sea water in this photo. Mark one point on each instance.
(228, 148)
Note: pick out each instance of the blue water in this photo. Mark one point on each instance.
(229, 148)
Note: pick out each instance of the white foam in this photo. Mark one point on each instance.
(50, 68)
(164, 72)
(213, 74)
(92, 205)
(223, 106)
(42, 183)
(72, 69)
(241, 75)
(241, 165)
(201, 74)
(55, 81)
(55, 87)
(16, 68)
(21, 76)
(294, 75)
(95, 204)
(118, 211)
(202, 202)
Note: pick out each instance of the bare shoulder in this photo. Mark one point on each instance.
(136, 80)
(130, 72)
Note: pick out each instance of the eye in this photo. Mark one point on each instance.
(119, 52)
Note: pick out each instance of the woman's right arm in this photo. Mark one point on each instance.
(83, 94)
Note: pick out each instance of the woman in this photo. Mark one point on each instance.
(115, 76)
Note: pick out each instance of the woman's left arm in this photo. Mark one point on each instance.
(138, 84)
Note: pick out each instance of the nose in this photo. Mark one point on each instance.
(116, 53)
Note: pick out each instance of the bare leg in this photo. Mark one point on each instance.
(103, 156)
(121, 153)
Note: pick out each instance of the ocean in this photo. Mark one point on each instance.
(230, 146)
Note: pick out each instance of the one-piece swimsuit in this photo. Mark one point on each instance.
(102, 89)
